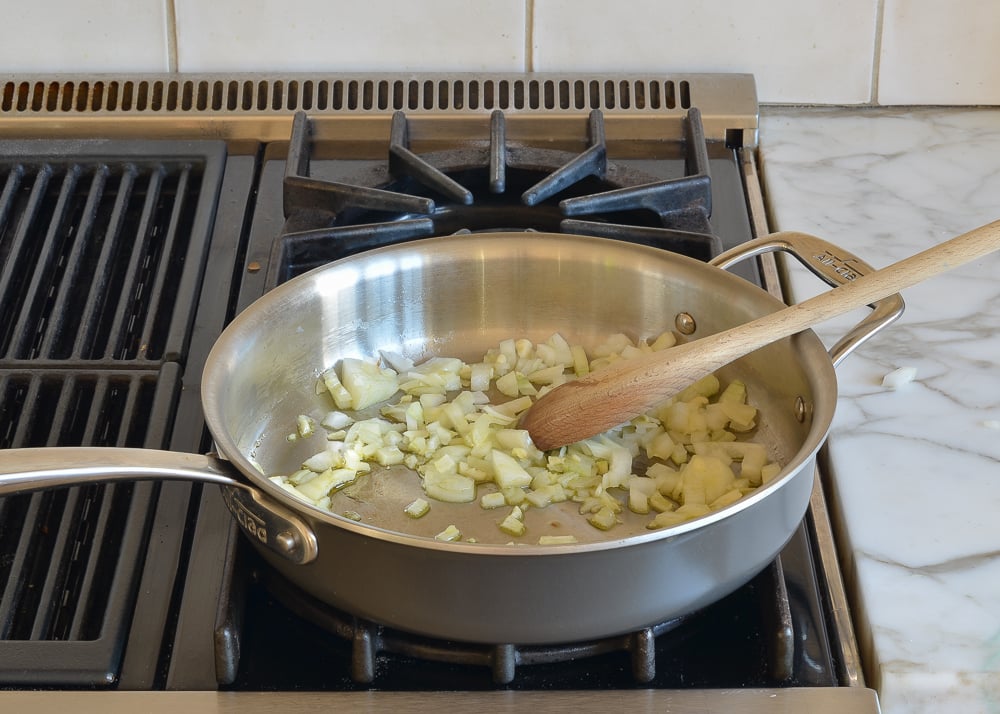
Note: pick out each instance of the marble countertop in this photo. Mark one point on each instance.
(914, 471)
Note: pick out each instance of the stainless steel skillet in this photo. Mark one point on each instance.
(459, 295)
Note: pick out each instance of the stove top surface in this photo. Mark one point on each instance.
(197, 609)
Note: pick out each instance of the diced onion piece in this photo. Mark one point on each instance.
(367, 383)
(768, 472)
(323, 460)
(493, 499)
(327, 481)
(726, 499)
(451, 533)
(305, 425)
(899, 377)
(451, 488)
(479, 378)
(663, 341)
(513, 524)
(335, 420)
(336, 388)
(417, 508)
(557, 540)
(640, 488)
(507, 472)
(604, 518)
(396, 361)
(507, 384)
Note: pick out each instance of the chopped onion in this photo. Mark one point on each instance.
(899, 377)
(446, 427)
(418, 508)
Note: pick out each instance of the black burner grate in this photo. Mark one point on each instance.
(491, 185)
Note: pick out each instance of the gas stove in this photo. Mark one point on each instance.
(138, 215)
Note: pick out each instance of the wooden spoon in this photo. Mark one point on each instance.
(604, 399)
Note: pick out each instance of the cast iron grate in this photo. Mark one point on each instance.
(491, 185)
(103, 247)
(100, 257)
(746, 639)
(70, 558)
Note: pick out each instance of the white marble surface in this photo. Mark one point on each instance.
(916, 470)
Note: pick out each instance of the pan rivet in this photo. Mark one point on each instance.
(801, 409)
(685, 323)
(253, 266)
(286, 541)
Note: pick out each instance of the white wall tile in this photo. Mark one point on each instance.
(84, 36)
(338, 35)
(940, 52)
(800, 52)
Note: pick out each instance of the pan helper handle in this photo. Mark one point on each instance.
(832, 264)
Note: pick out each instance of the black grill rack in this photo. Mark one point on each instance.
(103, 248)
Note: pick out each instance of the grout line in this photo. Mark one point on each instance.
(529, 35)
(170, 11)
(877, 58)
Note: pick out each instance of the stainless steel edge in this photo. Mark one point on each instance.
(849, 656)
(827, 700)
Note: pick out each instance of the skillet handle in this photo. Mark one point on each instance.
(832, 264)
(263, 520)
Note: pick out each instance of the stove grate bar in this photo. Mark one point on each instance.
(74, 264)
(333, 197)
(403, 162)
(686, 195)
(498, 152)
(171, 247)
(290, 255)
(132, 276)
(17, 249)
(29, 328)
(593, 161)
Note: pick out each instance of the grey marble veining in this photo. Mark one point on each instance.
(915, 470)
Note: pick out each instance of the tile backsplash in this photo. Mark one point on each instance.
(853, 52)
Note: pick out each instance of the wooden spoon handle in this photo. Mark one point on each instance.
(616, 394)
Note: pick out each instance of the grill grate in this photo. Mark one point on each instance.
(94, 254)
(102, 250)
(70, 558)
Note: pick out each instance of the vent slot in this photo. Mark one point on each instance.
(280, 95)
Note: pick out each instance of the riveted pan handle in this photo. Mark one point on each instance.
(261, 518)
(834, 265)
